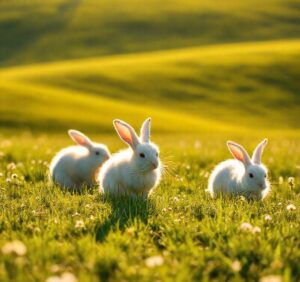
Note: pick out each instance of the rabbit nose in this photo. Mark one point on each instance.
(262, 186)
(154, 165)
(106, 157)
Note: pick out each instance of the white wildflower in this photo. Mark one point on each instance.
(236, 266)
(15, 247)
(68, 277)
(271, 278)
(246, 226)
(256, 229)
(14, 176)
(53, 279)
(176, 199)
(280, 180)
(268, 217)
(242, 198)
(291, 207)
(11, 166)
(291, 182)
(154, 261)
(79, 224)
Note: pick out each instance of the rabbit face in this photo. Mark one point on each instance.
(147, 157)
(145, 154)
(256, 178)
(99, 154)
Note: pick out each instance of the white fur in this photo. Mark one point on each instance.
(126, 172)
(232, 177)
(76, 166)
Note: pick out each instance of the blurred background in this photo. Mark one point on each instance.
(194, 66)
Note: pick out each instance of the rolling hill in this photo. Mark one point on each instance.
(222, 87)
(36, 31)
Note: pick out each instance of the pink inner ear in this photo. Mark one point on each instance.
(80, 140)
(124, 133)
(237, 153)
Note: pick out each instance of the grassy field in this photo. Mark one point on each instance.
(205, 71)
(178, 234)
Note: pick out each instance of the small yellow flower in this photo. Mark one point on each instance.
(130, 231)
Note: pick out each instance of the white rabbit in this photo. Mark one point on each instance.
(75, 166)
(136, 170)
(243, 176)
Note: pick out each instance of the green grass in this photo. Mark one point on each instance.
(34, 31)
(197, 237)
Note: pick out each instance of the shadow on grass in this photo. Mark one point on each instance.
(125, 210)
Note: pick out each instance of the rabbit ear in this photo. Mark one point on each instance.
(256, 157)
(80, 138)
(126, 133)
(239, 152)
(145, 131)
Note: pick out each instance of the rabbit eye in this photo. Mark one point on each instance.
(97, 153)
(251, 175)
(142, 155)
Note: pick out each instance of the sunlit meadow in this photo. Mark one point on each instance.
(206, 72)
